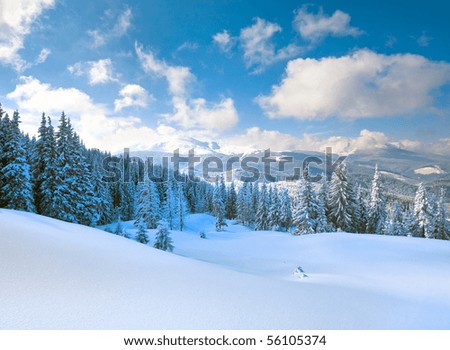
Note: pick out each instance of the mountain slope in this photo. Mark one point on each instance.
(65, 276)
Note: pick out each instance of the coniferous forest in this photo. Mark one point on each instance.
(56, 175)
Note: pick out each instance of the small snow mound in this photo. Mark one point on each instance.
(429, 170)
(299, 273)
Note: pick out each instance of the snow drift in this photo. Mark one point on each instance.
(64, 276)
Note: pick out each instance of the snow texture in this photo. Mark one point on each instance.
(57, 275)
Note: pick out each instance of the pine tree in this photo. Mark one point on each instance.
(163, 241)
(244, 204)
(441, 220)
(219, 206)
(49, 176)
(15, 177)
(423, 218)
(274, 208)
(285, 219)
(376, 215)
(148, 205)
(231, 210)
(141, 235)
(362, 209)
(395, 219)
(262, 212)
(342, 201)
(181, 209)
(305, 213)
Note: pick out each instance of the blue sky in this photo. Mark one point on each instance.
(285, 75)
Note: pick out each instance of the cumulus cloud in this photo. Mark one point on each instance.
(314, 27)
(16, 20)
(360, 85)
(188, 112)
(254, 139)
(98, 72)
(224, 40)
(178, 77)
(97, 126)
(121, 25)
(132, 95)
(198, 113)
(259, 49)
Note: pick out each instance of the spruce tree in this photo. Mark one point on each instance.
(231, 208)
(306, 208)
(423, 218)
(441, 219)
(342, 201)
(262, 212)
(274, 208)
(148, 205)
(219, 207)
(376, 215)
(141, 234)
(15, 177)
(163, 241)
(285, 219)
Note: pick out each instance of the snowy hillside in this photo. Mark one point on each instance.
(60, 275)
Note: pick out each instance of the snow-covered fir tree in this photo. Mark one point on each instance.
(181, 208)
(262, 212)
(362, 210)
(219, 206)
(148, 207)
(15, 177)
(141, 234)
(342, 201)
(305, 212)
(285, 218)
(394, 221)
(231, 207)
(376, 215)
(274, 208)
(244, 204)
(441, 231)
(163, 241)
(423, 217)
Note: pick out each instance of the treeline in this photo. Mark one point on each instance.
(57, 176)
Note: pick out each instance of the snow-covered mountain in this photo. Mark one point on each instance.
(402, 170)
(65, 276)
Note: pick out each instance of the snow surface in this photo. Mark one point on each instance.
(64, 276)
(429, 170)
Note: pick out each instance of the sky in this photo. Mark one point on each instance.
(285, 75)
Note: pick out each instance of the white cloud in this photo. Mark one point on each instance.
(224, 40)
(16, 20)
(259, 50)
(101, 36)
(178, 77)
(424, 40)
(256, 139)
(314, 27)
(132, 95)
(188, 112)
(43, 55)
(97, 126)
(362, 84)
(98, 38)
(187, 45)
(198, 113)
(98, 72)
(123, 23)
